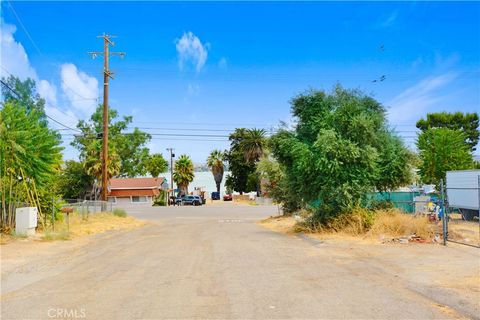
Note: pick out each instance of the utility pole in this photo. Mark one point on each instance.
(172, 155)
(106, 74)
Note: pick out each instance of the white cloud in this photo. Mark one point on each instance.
(190, 50)
(13, 56)
(80, 89)
(413, 102)
(14, 60)
(47, 91)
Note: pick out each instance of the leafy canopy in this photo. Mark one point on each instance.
(183, 172)
(156, 164)
(239, 168)
(215, 163)
(441, 150)
(465, 122)
(125, 146)
(340, 149)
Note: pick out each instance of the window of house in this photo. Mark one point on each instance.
(112, 199)
(139, 199)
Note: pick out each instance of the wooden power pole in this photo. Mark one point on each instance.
(106, 74)
(172, 155)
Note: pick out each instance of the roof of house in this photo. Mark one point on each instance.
(135, 183)
(134, 192)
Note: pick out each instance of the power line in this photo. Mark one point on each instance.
(38, 49)
(24, 28)
(18, 98)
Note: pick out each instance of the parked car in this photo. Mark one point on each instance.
(199, 199)
(215, 195)
(179, 200)
(227, 197)
(192, 200)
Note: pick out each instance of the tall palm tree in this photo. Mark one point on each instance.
(215, 163)
(93, 162)
(183, 173)
(253, 145)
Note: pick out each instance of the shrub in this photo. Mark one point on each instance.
(119, 213)
(160, 200)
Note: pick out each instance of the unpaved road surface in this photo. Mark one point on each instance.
(216, 262)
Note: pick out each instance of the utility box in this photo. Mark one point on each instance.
(26, 221)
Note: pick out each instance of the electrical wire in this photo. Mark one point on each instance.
(18, 98)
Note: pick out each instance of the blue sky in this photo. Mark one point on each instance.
(195, 67)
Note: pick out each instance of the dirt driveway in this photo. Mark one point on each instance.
(217, 262)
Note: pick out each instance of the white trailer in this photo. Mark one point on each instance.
(463, 192)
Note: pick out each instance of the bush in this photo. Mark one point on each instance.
(119, 213)
(160, 200)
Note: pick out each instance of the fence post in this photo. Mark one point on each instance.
(444, 220)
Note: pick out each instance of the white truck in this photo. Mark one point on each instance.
(463, 192)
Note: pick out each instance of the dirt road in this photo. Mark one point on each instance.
(216, 262)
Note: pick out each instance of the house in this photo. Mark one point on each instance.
(134, 190)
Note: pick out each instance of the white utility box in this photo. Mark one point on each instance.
(26, 220)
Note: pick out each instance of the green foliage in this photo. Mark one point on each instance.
(245, 150)
(156, 164)
(73, 181)
(275, 184)
(340, 149)
(30, 154)
(28, 96)
(465, 122)
(395, 163)
(215, 163)
(183, 172)
(119, 213)
(161, 199)
(253, 144)
(441, 150)
(127, 152)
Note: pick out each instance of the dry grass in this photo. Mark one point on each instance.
(281, 224)
(362, 224)
(96, 223)
(394, 223)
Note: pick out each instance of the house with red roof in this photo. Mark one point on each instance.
(134, 190)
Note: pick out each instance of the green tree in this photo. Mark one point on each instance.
(335, 155)
(395, 163)
(183, 172)
(465, 122)
(275, 184)
(156, 164)
(239, 168)
(215, 163)
(128, 147)
(441, 150)
(30, 157)
(253, 144)
(93, 160)
(73, 181)
(25, 95)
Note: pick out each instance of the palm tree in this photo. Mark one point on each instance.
(253, 145)
(93, 162)
(183, 173)
(215, 163)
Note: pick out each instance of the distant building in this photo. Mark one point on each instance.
(134, 190)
